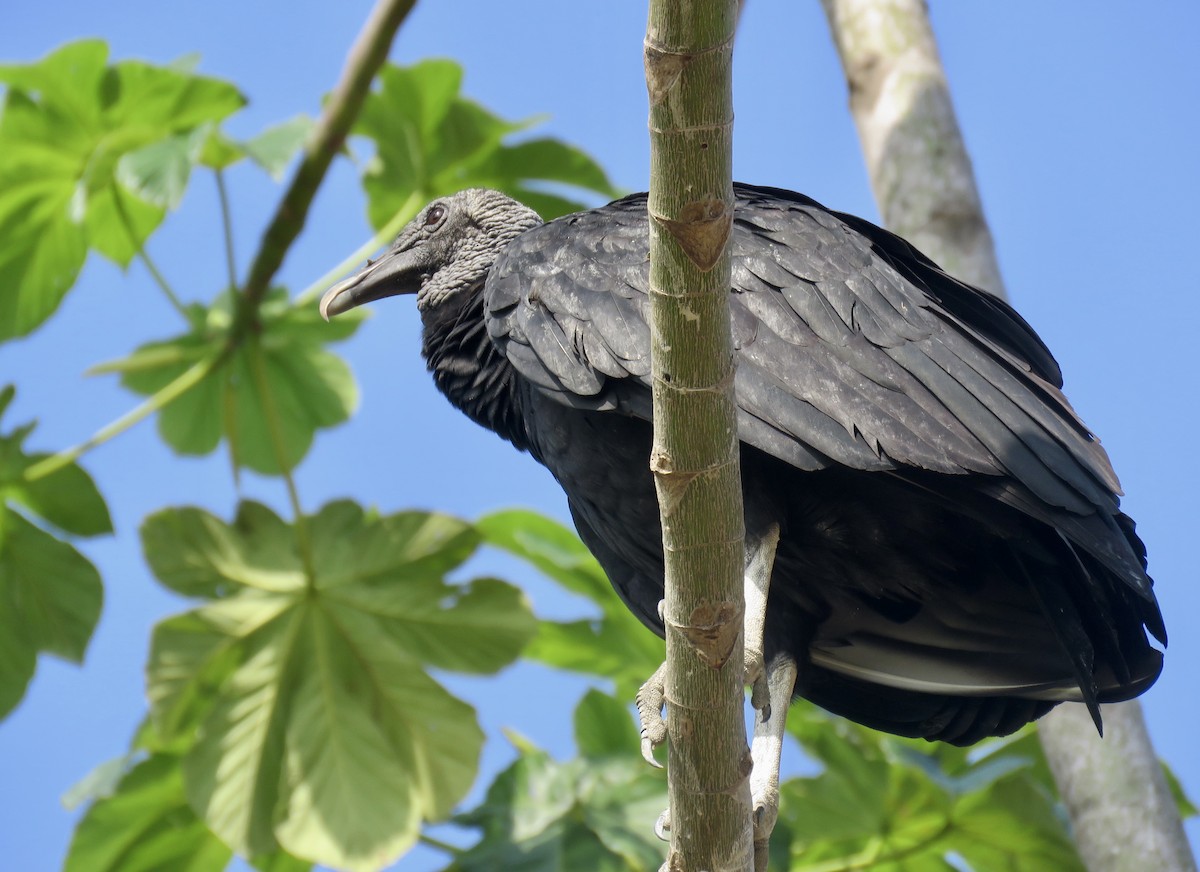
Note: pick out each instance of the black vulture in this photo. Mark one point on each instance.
(951, 559)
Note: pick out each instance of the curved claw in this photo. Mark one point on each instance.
(649, 706)
(756, 676)
(662, 826)
(648, 746)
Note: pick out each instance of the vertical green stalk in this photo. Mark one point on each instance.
(155, 273)
(688, 55)
(227, 227)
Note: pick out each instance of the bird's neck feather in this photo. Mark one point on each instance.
(468, 369)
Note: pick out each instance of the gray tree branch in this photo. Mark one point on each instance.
(920, 172)
(1121, 810)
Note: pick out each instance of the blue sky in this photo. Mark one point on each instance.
(1082, 126)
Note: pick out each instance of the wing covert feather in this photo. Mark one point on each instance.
(853, 348)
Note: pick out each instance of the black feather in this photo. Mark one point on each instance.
(953, 561)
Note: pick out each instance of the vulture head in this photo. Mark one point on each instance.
(447, 249)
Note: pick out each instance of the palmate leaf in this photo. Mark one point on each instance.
(593, 812)
(615, 645)
(430, 141)
(146, 824)
(50, 594)
(314, 724)
(893, 804)
(306, 386)
(91, 154)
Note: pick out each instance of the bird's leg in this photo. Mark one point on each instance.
(765, 751)
(650, 698)
(760, 558)
(650, 705)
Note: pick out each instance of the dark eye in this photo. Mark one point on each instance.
(435, 215)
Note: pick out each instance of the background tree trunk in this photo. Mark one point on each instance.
(688, 55)
(1122, 812)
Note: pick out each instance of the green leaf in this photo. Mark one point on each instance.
(430, 141)
(220, 152)
(603, 726)
(1185, 806)
(316, 728)
(101, 782)
(593, 813)
(192, 656)
(894, 804)
(549, 546)
(553, 160)
(146, 825)
(158, 173)
(279, 861)
(353, 551)
(50, 594)
(307, 387)
(196, 554)
(81, 143)
(274, 148)
(351, 796)
(616, 645)
(117, 222)
(1014, 817)
(234, 773)
(66, 498)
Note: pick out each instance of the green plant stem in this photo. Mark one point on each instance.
(167, 394)
(694, 459)
(155, 273)
(452, 850)
(227, 226)
(341, 109)
(258, 370)
(385, 235)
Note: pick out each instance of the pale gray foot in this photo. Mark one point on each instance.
(760, 559)
(650, 706)
(765, 750)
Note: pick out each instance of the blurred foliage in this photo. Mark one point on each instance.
(430, 141)
(266, 395)
(591, 812)
(614, 645)
(301, 687)
(50, 594)
(91, 154)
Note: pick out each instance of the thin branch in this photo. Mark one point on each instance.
(227, 226)
(366, 57)
(159, 278)
(452, 850)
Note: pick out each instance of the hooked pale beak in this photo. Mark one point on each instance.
(397, 272)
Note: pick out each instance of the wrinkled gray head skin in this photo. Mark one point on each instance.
(449, 247)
